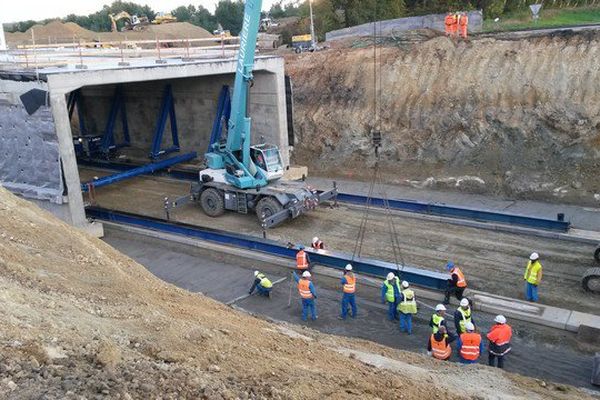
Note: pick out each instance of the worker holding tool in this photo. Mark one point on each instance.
(437, 319)
(262, 284)
(533, 277)
(406, 308)
(307, 293)
(390, 294)
(462, 316)
(463, 23)
(302, 260)
(448, 22)
(349, 288)
(317, 244)
(456, 284)
(499, 337)
(469, 345)
(438, 344)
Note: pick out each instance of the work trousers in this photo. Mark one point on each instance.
(348, 300)
(454, 290)
(464, 361)
(531, 292)
(491, 359)
(309, 304)
(263, 291)
(406, 323)
(392, 310)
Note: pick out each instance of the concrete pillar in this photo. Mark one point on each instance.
(2, 38)
(281, 115)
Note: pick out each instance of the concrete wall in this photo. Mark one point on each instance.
(195, 107)
(432, 21)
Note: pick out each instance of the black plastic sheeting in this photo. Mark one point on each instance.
(596, 370)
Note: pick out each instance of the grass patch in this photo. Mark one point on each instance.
(551, 18)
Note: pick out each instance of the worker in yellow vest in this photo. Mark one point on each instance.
(390, 294)
(533, 277)
(349, 288)
(437, 319)
(262, 284)
(406, 308)
(462, 316)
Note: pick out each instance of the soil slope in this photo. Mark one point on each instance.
(518, 117)
(81, 319)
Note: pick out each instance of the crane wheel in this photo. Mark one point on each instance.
(267, 206)
(591, 280)
(597, 254)
(212, 203)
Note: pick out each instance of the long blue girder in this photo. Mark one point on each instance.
(332, 259)
(414, 206)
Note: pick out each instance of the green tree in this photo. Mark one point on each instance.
(230, 14)
(183, 13)
(205, 19)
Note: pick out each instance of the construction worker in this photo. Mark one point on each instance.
(438, 344)
(437, 319)
(499, 337)
(456, 284)
(406, 308)
(308, 294)
(390, 294)
(469, 345)
(317, 244)
(463, 24)
(462, 316)
(302, 259)
(448, 22)
(262, 284)
(349, 288)
(454, 26)
(533, 277)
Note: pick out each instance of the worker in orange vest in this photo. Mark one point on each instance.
(448, 22)
(463, 23)
(499, 337)
(308, 294)
(469, 345)
(317, 244)
(454, 25)
(456, 284)
(349, 288)
(302, 260)
(438, 345)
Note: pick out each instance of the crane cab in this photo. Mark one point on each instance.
(268, 159)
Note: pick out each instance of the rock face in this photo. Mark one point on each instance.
(520, 114)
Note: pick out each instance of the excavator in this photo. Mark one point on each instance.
(164, 18)
(242, 177)
(132, 22)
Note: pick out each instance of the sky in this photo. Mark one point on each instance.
(22, 10)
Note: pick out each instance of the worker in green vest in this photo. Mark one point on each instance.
(406, 307)
(262, 284)
(437, 319)
(390, 294)
(533, 277)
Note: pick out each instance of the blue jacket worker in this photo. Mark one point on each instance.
(262, 284)
(308, 294)
(349, 288)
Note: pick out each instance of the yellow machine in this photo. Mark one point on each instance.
(132, 22)
(164, 18)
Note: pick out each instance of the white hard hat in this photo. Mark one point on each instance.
(306, 274)
(404, 284)
(390, 276)
(440, 307)
(255, 273)
(469, 327)
(348, 267)
(464, 302)
(534, 256)
(315, 239)
(500, 319)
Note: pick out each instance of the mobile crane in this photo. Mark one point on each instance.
(242, 177)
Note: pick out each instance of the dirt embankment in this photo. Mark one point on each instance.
(511, 117)
(81, 319)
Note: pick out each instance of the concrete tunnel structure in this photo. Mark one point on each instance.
(38, 159)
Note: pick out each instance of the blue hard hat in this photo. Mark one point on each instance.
(300, 247)
(450, 265)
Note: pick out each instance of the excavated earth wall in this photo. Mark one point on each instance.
(514, 117)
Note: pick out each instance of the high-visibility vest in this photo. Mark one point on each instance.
(449, 20)
(533, 272)
(499, 337)
(471, 342)
(463, 21)
(408, 305)
(461, 281)
(304, 289)
(440, 350)
(389, 294)
(318, 245)
(437, 322)
(301, 260)
(466, 317)
(264, 281)
(350, 285)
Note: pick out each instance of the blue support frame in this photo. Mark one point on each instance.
(221, 118)
(75, 100)
(167, 110)
(337, 260)
(117, 108)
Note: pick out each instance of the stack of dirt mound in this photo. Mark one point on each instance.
(52, 32)
(81, 320)
(174, 30)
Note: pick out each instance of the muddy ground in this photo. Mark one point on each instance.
(493, 262)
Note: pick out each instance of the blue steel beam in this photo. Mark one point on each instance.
(145, 169)
(332, 259)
